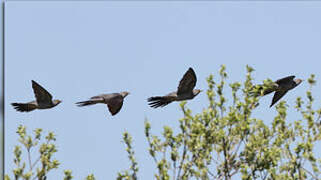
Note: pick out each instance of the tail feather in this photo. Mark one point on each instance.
(86, 103)
(259, 91)
(24, 107)
(158, 101)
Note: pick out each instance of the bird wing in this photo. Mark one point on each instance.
(41, 94)
(114, 104)
(187, 83)
(285, 80)
(277, 96)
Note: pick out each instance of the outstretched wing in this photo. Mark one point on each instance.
(115, 104)
(187, 83)
(285, 80)
(277, 96)
(41, 94)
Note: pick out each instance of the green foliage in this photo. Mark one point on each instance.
(68, 175)
(40, 167)
(134, 168)
(42, 164)
(90, 177)
(225, 140)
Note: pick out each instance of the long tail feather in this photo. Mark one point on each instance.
(23, 107)
(158, 101)
(86, 103)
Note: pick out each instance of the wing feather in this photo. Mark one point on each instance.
(277, 96)
(41, 94)
(187, 83)
(115, 104)
(285, 80)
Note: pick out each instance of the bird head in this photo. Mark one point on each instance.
(297, 81)
(125, 93)
(56, 102)
(196, 91)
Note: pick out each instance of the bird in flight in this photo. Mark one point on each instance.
(184, 91)
(43, 100)
(281, 87)
(114, 101)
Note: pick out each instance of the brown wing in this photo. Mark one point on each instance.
(285, 80)
(115, 104)
(42, 95)
(187, 83)
(277, 96)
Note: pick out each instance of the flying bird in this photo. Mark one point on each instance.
(281, 87)
(43, 100)
(184, 91)
(114, 101)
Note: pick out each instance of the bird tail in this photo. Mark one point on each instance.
(158, 101)
(86, 103)
(258, 90)
(23, 107)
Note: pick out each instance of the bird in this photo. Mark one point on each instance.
(43, 100)
(281, 87)
(185, 91)
(114, 101)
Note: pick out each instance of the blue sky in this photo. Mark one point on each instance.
(80, 49)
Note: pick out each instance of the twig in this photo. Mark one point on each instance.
(150, 145)
(226, 161)
(174, 169)
(29, 158)
(34, 164)
(184, 152)
(182, 160)
(315, 177)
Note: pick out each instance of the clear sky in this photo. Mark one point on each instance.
(80, 49)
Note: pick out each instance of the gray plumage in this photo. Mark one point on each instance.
(114, 101)
(185, 91)
(281, 87)
(43, 100)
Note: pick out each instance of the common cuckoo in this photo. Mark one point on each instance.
(114, 101)
(43, 100)
(281, 87)
(184, 91)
